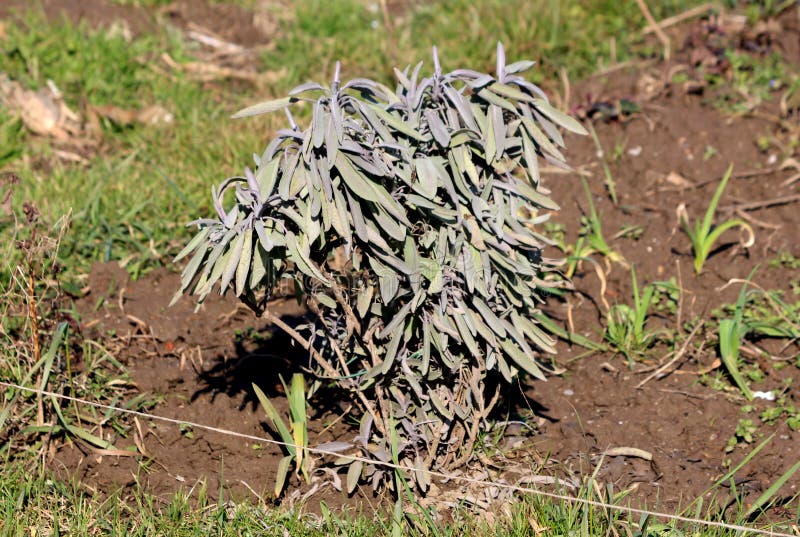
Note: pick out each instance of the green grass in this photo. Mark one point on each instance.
(34, 504)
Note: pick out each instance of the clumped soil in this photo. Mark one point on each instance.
(198, 365)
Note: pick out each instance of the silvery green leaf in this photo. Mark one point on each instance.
(523, 360)
(427, 177)
(489, 138)
(321, 170)
(541, 139)
(299, 180)
(440, 406)
(198, 240)
(325, 300)
(501, 59)
(562, 119)
(436, 282)
(331, 142)
(464, 74)
(457, 175)
(489, 317)
(233, 262)
(282, 473)
(218, 250)
(474, 230)
(361, 83)
(518, 67)
(263, 236)
(549, 129)
(391, 350)
(334, 447)
(481, 327)
(437, 128)
(337, 118)
(466, 337)
(354, 475)
(389, 285)
(298, 220)
(319, 123)
(263, 108)
(531, 159)
(509, 92)
(395, 262)
(375, 237)
(463, 107)
(303, 88)
(426, 349)
(299, 257)
(216, 272)
(389, 225)
(342, 219)
(397, 321)
(525, 326)
(191, 269)
(266, 177)
(494, 99)
(411, 378)
(502, 365)
(402, 78)
(364, 299)
(522, 83)
(363, 164)
(243, 269)
(396, 123)
(481, 81)
(259, 271)
(355, 180)
(372, 118)
(359, 224)
(499, 129)
(527, 192)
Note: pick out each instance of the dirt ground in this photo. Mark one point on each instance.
(199, 365)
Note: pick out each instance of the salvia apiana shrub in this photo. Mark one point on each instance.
(407, 222)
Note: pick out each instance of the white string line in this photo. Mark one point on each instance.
(434, 473)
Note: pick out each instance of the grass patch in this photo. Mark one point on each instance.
(44, 505)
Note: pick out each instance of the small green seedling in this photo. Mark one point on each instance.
(731, 331)
(702, 235)
(610, 184)
(626, 329)
(295, 435)
(591, 240)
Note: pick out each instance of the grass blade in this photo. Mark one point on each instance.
(277, 422)
(570, 337)
(772, 490)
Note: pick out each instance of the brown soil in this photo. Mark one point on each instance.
(199, 365)
(95, 13)
(230, 22)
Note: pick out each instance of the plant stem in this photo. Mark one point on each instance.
(326, 365)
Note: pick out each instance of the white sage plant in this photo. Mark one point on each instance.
(431, 192)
